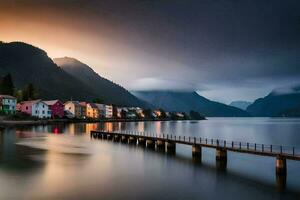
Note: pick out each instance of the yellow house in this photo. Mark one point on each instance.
(92, 111)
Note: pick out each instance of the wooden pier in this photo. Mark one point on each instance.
(168, 143)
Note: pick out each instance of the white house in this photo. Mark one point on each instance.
(105, 110)
(41, 110)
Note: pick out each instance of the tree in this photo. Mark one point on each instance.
(19, 95)
(7, 85)
(148, 113)
(29, 92)
(98, 100)
(196, 115)
(123, 114)
(115, 111)
(163, 114)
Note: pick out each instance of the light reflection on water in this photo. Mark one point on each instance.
(62, 162)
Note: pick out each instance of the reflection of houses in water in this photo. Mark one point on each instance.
(41, 128)
(110, 126)
(76, 129)
(158, 128)
(141, 127)
(90, 127)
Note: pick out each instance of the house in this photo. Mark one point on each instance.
(92, 111)
(57, 108)
(83, 109)
(106, 111)
(8, 104)
(75, 109)
(35, 108)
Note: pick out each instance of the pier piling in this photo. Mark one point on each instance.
(171, 147)
(196, 151)
(221, 153)
(280, 165)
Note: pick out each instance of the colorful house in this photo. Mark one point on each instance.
(106, 111)
(83, 109)
(92, 111)
(35, 108)
(57, 108)
(8, 104)
(74, 108)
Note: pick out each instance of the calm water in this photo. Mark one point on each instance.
(62, 162)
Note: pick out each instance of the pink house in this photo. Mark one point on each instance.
(35, 108)
(57, 108)
(26, 106)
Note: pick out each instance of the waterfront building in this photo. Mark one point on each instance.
(8, 104)
(74, 108)
(35, 108)
(83, 105)
(57, 108)
(92, 111)
(105, 111)
(119, 112)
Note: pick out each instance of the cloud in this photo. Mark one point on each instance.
(154, 83)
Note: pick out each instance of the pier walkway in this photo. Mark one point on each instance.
(168, 142)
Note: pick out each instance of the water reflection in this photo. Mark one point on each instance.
(62, 162)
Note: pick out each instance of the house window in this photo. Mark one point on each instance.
(36, 112)
(43, 111)
(26, 107)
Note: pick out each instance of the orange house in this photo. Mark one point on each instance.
(92, 111)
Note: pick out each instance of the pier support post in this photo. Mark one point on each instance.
(124, 139)
(196, 151)
(280, 165)
(132, 140)
(142, 141)
(109, 136)
(160, 144)
(221, 159)
(116, 138)
(150, 143)
(104, 136)
(280, 182)
(171, 147)
(221, 154)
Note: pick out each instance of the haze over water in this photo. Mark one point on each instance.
(63, 162)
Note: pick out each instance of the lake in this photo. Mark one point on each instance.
(62, 162)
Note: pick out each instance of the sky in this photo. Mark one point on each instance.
(225, 50)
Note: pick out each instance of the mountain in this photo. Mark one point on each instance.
(240, 104)
(187, 101)
(292, 112)
(276, 103)
(29, 64)
(106, 90)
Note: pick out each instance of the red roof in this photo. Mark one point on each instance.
(52, 102)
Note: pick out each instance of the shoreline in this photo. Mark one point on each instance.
(13, 123)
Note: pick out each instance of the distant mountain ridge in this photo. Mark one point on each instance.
(105, 89)
(29, 64)
(240, 104)
(280, 102)
(187, 101)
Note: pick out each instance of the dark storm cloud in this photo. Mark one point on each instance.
(205, 43)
